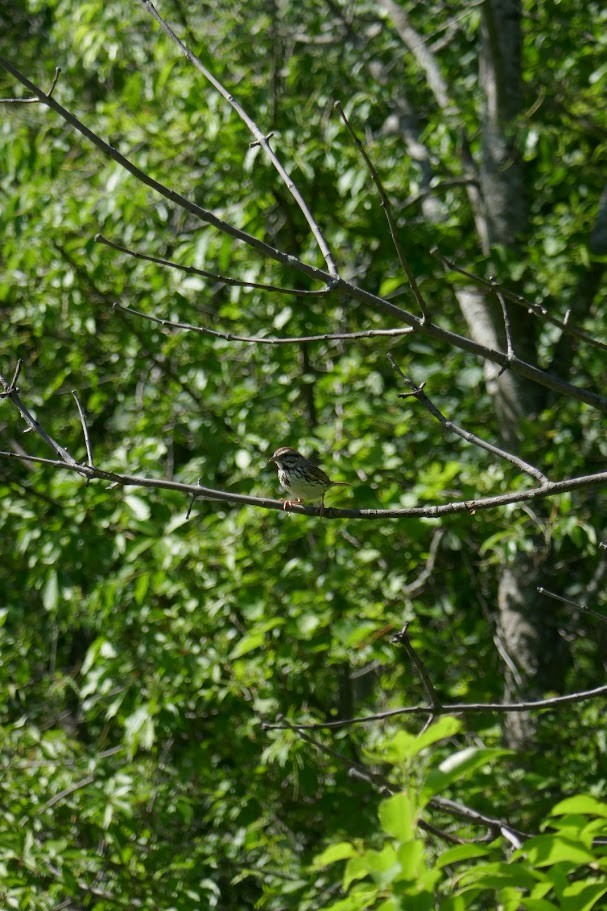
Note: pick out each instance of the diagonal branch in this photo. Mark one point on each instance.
(260, 138)
(422, 53)
(85, 429)
(385, 202)
(418, 393)
(223, 279)
(515, 364)
(10, 392)
(403, 638)
(492, 287)
(203, 214)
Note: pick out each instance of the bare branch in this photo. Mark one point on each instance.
(507, 329)
(270, 340)
(536, 309)
(413, 512)
(415, 587)
(224, 279)
(424, 56)
(495, 825)
(438, 185)
(576, 604)
(10, 392)
(402, 637)
(260, 137)
(385, 202)
(420, 395)
(456, 708)
(16, 375)
(85, 429)
(57, 798)
(203, 214)
(34, 100)
(449, 807)
(349, 290)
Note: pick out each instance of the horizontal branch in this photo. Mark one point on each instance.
(266, 340)
(455, 708)
(413, 512)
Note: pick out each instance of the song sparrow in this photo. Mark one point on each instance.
(301, 477)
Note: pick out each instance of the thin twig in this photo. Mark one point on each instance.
(10, 392)
(204, 215)
(550, 489)
(260, 137)
(414, 588)
(536, 309)
(85, 430)
(224, 279)
(402, 637)
(385, 202)
(404, 640)
(496, 825)
(439, 185)
(456, 708)
(34, 100)
(77, 786)
(507, 330)
(356, 767)
(576, 604)
(262, 340)
(418, 393)
(16, 375)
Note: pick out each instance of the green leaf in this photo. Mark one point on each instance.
(461, 852)
(397, 816)
(410, 857)
(497, 876)
(247, 644)
(444, 727)
(583, 895)
(537, 904)
(340, 851)
(402, 746)
(581, 803)
(459, 765)
(139, 506)
(546, 850)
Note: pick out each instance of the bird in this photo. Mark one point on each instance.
(301, 478)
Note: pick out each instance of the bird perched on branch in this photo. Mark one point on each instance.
(301, 478)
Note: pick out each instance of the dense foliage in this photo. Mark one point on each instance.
(141, 651)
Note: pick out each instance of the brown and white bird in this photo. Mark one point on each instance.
(301, 478)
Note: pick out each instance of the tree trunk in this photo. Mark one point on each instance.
(537, 653)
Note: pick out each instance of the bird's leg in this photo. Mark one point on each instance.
(288, 504)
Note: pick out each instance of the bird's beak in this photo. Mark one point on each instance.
(271, 459)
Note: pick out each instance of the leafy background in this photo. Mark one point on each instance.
(140, 650)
